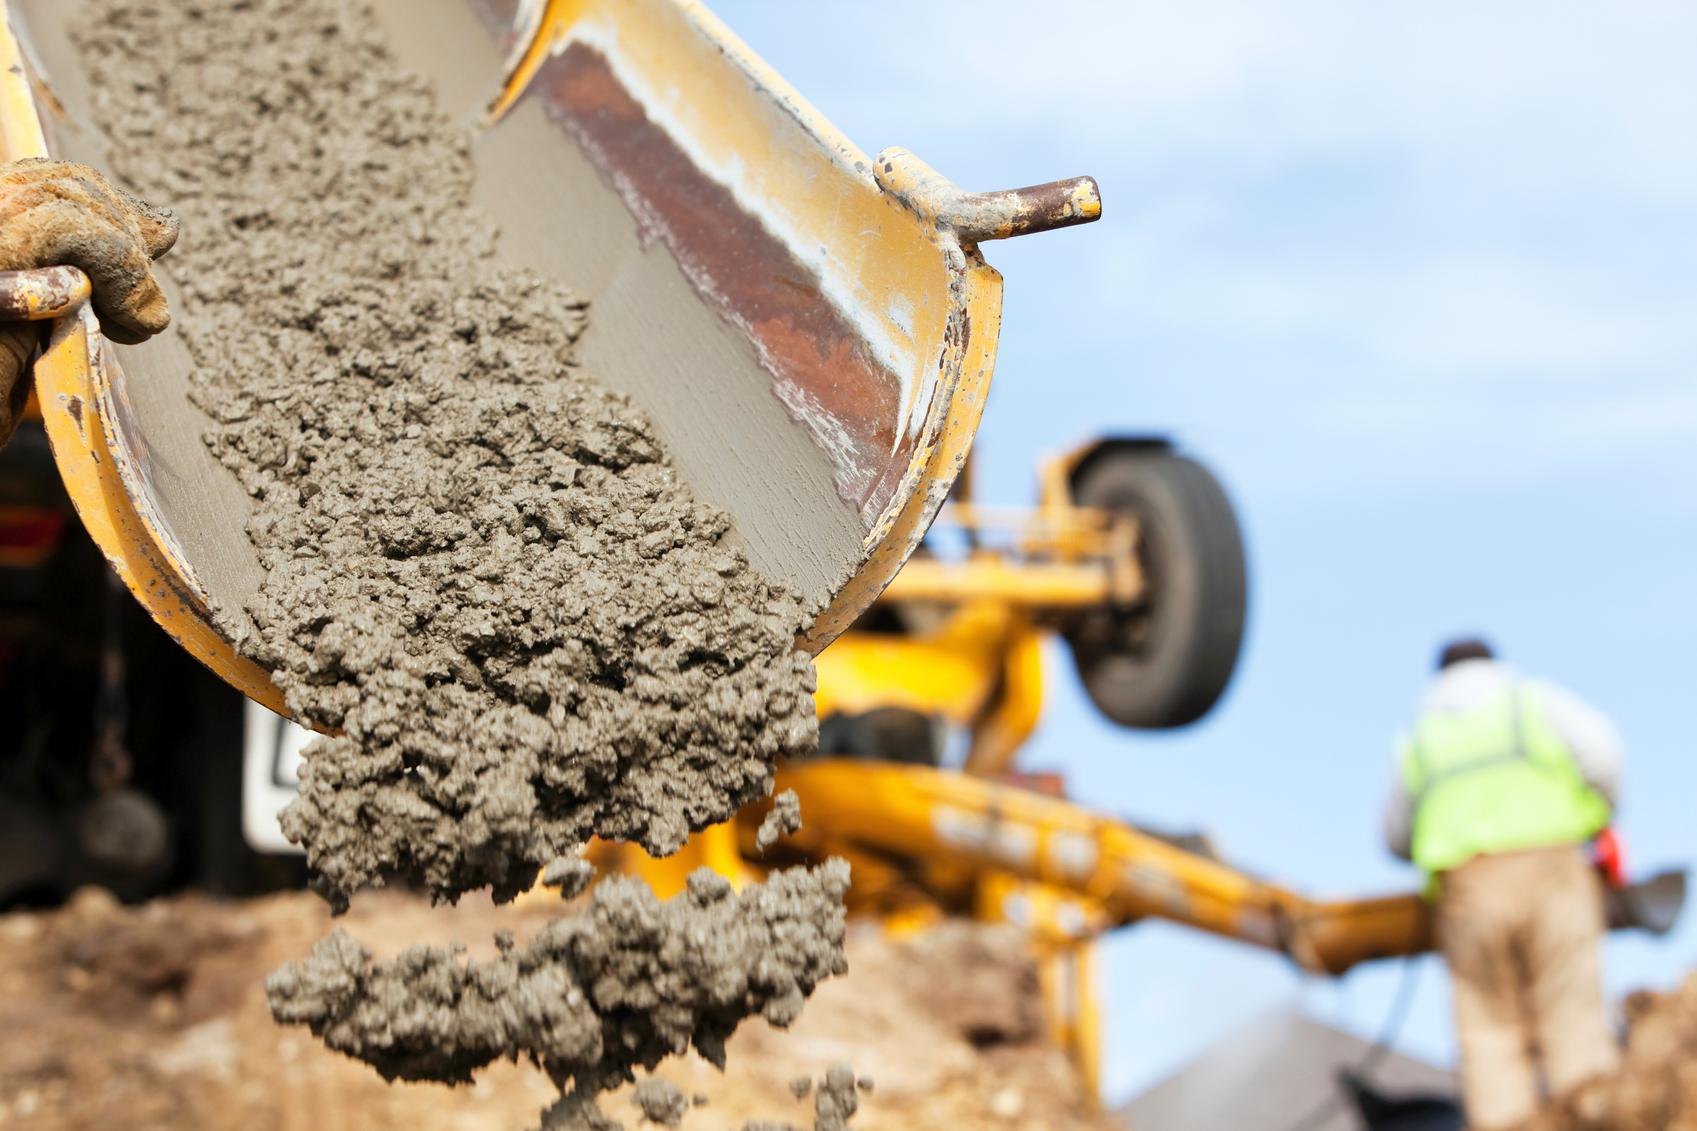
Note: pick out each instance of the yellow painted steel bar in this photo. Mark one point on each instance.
(951, 671)
(854, 676)
(20, 128)
(940, 816)
(1345, 933)
(1033, 585)
(1340, 934)
(1084, 1038)
(1073, 531)
(1063, 928)
(934, 815)
(999, 734)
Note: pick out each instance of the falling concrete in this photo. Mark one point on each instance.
(592, 997)
(783, 820)
(836, 1098)
(483, 577)
(571, 874)
(661, 1102)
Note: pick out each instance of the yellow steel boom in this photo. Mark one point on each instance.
(924, 842)
(938, 817)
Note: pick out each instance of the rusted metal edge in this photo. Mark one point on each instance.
(536, 28)
(41, 294)
(973, 217)
(964, 385)
(740, 268)
(954, 221)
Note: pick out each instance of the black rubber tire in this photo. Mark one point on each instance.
(1166, 662)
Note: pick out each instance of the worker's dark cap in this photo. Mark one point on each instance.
(1464, 648)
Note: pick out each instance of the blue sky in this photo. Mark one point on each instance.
(1416, 281)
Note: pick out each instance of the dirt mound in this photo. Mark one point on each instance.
(1656, 1088)
(947, 1025)
(155, 1017)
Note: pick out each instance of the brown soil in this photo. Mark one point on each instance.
(156, 1018)
(1656, 1088)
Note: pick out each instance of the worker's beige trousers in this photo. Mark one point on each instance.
(1523, 933)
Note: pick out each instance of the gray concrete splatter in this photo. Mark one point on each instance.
(661, 1101)
(835, 1100)
(783, 820)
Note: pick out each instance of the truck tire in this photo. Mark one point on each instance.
(1167, 660)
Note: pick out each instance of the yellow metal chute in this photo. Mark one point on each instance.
(812, 329)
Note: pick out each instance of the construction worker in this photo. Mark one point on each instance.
(55, 213)
(1499, 787)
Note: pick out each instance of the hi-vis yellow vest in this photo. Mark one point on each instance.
(1497, 778)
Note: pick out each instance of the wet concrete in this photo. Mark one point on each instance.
(560, 216)
(481, 570)
(784, 820)
(836, 1098)
(592, 997)
(480, 566)
(661, 1102)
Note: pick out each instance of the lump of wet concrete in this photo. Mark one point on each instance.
(661, 1102)
(835, 1100)
(783, 820)
(574, 1112)
(571, 874)
(591, 997)
(480, 569)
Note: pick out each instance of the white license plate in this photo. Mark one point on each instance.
(271, 758)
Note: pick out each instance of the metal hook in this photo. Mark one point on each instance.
(977, 216)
